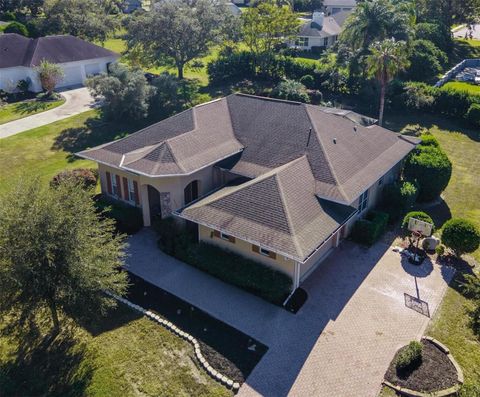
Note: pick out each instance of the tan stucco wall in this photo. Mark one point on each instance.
(244, 248)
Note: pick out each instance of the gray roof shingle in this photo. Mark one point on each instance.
(17, 50)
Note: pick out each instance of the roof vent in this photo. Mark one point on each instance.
(335, 141)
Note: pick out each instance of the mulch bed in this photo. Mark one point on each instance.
(435, 372)
(227, 350)
(297, 300)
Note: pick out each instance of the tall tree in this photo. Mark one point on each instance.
(265, 27)
(87, 19)
(387, 58)
(57, 254)
(376, 20)
(177, 32)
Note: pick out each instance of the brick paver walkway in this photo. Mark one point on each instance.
(342, 340)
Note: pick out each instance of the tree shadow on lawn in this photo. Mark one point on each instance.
(31, 107)
(41, 367)
(438, 210)
(95, 131)
(397, 120)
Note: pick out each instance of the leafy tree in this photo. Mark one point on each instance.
(291, 90)
(434, 33)
(430, 167)
(264, 28)
(426, 61)
(125, 93)
(87, 19)
(386, 59)
(461, 235)
(177, 32)
(376, 20)
(16, 27)
(57, 254)
(50, 75)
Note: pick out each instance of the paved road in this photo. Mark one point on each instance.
(461, 32)
(342, 340)
(77, 101)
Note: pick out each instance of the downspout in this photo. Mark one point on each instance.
(296, 282)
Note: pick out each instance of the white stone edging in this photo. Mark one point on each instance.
(189, 338)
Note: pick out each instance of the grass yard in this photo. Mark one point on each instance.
(464, 86)
(47, 150)
(462, 198)
(123, 354)
(19, 110)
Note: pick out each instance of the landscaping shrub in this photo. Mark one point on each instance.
(461, 235)
(473, 114)
(261, 280)
(83, 176)
(429, 140)
(128, 219)
(231, 65)
(308, 81)
(8, 16)
(367, 231)
(440, 250)
(420, 215)
(291, 90)
(16, 27)
(430, 168)
(397, 198)
(409, 356)
(426, 61)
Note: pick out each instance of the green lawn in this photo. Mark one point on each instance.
(123, 354)
(15, 111)
(463, 86)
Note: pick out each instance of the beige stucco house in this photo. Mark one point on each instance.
(277, 181)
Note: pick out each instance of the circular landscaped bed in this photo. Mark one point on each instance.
(434, 372)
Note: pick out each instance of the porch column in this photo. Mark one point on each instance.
(336, 239)
(145, 205)
(296, 276)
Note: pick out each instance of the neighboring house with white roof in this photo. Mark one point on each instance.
(333, 7)
(320, 31)
(20, 56)
(276, 181)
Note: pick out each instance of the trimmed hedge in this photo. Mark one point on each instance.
(127, 219)
(397, 198)
(256, 278)
(83, 176)
(473, 114)
(461, 235)
(420, 215)
(367, 231)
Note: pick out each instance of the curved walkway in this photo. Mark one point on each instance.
(342, 340)
(77, 101)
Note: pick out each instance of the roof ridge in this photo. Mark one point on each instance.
(29, 54)
(265, 98)
(170, 149)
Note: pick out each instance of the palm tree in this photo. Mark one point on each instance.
(387, 58)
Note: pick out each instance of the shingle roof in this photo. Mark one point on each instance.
(278, 210)
(257, 135)
(17, 50)
(312, 29)
(336, 3)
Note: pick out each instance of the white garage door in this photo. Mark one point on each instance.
(92, 69)
(73, 76)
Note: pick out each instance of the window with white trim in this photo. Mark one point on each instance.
(131, 191)
(301, 42)
(115, 187)
(325, 42)
(265, 252)
(224, 236)
(363, 201)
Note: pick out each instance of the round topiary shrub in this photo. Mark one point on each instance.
(82, 176)
(420, 215)
(409, 356)
(308, 81)
(473, 115)
(429, 140)
(430, 167)
(16, 27)
(461, 235)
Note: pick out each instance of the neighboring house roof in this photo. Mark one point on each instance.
(258, 135)
(332, 26)
(278, 210)
(17, 50)
(339, 3)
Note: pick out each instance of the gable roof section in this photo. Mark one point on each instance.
(311, 29)
(278, 211)
(17, 50)
(256, 135)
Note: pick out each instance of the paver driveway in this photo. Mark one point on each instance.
(342, 340)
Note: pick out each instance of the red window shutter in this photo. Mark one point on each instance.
(125, 189)
(135, 192)
(272, 255)
(231, 239)
(109, 182)
(119, 186)
(255, 248)
(216, 233)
